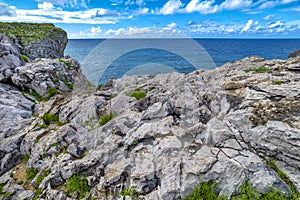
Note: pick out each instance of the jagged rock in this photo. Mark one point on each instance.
(295, 54)
(43, 74)
(9, 58)
(209, 125)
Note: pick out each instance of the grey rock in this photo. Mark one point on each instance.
(74, 150)
(9, 58)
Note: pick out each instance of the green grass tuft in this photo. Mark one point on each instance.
(37, 194)
(26, 158)
(76, 184)
(205, 191)
(31, 173)
(106, 118)
(41, 177)
(138, 94)
(128, 192)
(99, 87)
(69, 66)
(25, 58)
(50, 118)
(262, 69)
(3, 194)
(278, 82)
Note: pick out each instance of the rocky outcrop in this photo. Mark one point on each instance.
(36, 40)
(9, 58)
(225, 125)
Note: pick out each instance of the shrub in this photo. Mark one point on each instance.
(34, 94)
(262, 69)
(41, 177)
(128, 192)
(25, 58)
(69, 66)
(99, 87)
(51, 92)
(31, 173)
(76, 184)
(138, 94)
(50, 118)
(106, 118)
(3, 194)
(37, 194)
(278, 82)
(205, 191)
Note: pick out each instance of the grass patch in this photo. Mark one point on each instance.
(50, 93)
(99, 87)
(25, 58)
(69, 85)
(205, 191)
(3, 194)
(262, 69)
(41, 177)
(138, 94)
(278, 82)
(106, 118)
(26, 158)
(31, 173)
(76, 184)
(51, 118)
(128, 192)
(69, 66)
(37, 194)
(208, 191)
(34, 94)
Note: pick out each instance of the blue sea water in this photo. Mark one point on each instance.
(221, 51)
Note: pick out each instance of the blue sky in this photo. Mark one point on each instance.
(193, 18)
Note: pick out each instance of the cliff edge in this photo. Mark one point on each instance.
(36, 40)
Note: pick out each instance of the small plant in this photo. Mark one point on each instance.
(278, 82)
(262, 69)
(3, 194)
(25, 58)
(99, 87)
(50, 118)
(43, 126)
(26, 158)
(76, 184)
(54, 145)
(31, 173)
(37, 194)
(34, 94)
(128, 192)
(41, 177)
(69, 85)
(138, 94)
(69, 66)
(205, 191)
(106, 118)
(51, 92)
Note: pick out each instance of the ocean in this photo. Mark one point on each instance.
(102, 59)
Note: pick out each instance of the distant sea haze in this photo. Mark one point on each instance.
(220, 50)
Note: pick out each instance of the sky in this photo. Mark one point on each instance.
(192, 18)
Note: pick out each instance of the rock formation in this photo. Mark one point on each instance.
(36, 40)
(225, 125)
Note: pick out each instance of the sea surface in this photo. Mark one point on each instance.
(102, 59)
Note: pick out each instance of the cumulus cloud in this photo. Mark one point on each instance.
(203, 7)
(235, 4)
(68, 3)
(250, 24)
(275, 25)
(171, 7)
(96, 30)
(45, 6)
(6, 10)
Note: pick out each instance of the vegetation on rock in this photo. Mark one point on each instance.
(106, 118)
(262, 69)
(3, 194)
(76, 184)
(138, 94)
(50, 118)
(31, 173)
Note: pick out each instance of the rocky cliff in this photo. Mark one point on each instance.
(147, 137)
(36, 40)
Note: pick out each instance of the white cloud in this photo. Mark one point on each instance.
(275, 25)
(45, 6)
(171, 7)
(6, 10)
(170, 26)
(141, 11)
(269, 17)
(249, 25)
(68, 3)
(235, 4)
(96, 30)
(134, 2)
(203, 7)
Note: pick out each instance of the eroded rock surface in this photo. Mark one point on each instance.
(219, 125)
